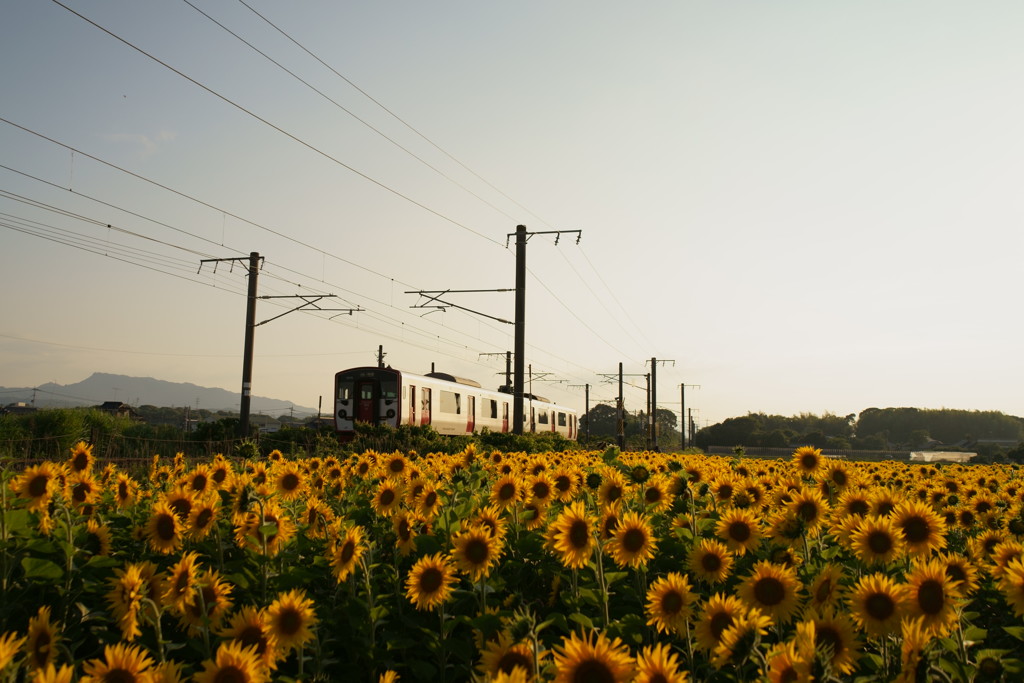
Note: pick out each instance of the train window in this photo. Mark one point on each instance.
(389, 389)
(494, 409)
(345, 391)
(365, 390)
(542, 417)
(561, 419)
(451, 402)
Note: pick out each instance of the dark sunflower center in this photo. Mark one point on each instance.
(230, 674)
(671, 603)
(983, 506)
(477, 551)
(404, 530)
(830, 637)
(593, 671)
(563, 483)
(879, 542)
(507, 492)
(956, 573)
(858, 507)
(769, 591)
(880, 606)
(739, 531)
(430, 499)
(203, 518)
(807, 511)
(290, 481)
(579, 534)
(931, 598)
(839, 478)
(387, 497)
(514, 658)
(633, 540)
(824, 591)
(396, 466)
(347, 552)
(165, 527)
(724, 492)
(431, 580)
(917, 530)
(80, 462)
(80, 492)
(253, 635)
(652, 495)
(541, 490)
(289, 622)
(37, 485)
(885, 507)
(711, 562)
(614, 493)
(181, 506)
(809, 461)
(220, 474)
(41, 650)
(119, 676)
(719, 623)
(199, 482)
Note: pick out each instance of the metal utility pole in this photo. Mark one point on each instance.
(255, 261)
(508, 365)
(522, 237)
(682, 411)
(620, 412)
(586, 403)
(654, 400)
(380, 356)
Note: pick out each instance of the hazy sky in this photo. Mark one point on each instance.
(806, 206)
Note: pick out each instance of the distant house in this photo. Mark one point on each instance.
(19, 408)
(118, 409)
(941, 456)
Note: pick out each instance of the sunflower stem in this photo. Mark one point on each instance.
(599, 559)
(689, 644)
(442, 652)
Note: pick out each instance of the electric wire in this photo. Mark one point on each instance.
(293, 137)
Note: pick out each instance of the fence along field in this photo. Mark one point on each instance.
(489, 565)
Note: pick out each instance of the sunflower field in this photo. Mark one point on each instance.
(495, 566)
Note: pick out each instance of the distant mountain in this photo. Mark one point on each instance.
(101, 387)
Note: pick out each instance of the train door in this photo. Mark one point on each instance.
(504, 416)
(471, 417)
(553, 427)
(533, 420)
(412, 404)
(425, 406)
(365, 401)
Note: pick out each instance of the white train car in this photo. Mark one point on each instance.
(451, 405)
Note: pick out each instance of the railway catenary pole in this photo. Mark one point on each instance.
(682, 411)
(520, 336)
(620, 426)
(310, 301)
(653, 410)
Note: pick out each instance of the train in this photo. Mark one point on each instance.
(451, 405)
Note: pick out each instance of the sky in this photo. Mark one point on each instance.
(794, 207)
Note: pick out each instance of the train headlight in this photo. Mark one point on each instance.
(343, 414)
(391, 413)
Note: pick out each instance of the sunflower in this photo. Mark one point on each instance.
(916, 638)
(655, 495)
(572, 534)
(387, 497)
(167, 672)
(540, 489)
(248, 627)
(290, 619)
(932, 595)
(203, 517)
(429, 583)
(210, 606)
(809, 507)
(807, 460)
(250, 530)
(220, 471)
(41, 641)
(785, 527)
(961, 570)
(1003, 554)
(834, 634)
(668, 603)
(404, 526)
(739, 638)
(505, 654)
(126, 490)
(10, 644)
(36, 485)
(394, 465)
(429, 502)
(1012, 585)
(613, 487)
(718, 614)
(883, 501)
(235, 663)
(182, 582)
(164, 529)
(289, 480)
(97, 538)
(507, 491)
(566, 482)
(610, 518)
(533, 515)
(710, 561)
(739, 529)
(82, 490)
(82, 459)
(826, 588)
(475, 552)
(127, 590)
(877, 604)
(490, 518)
(772, 589)
(121, 663)
(923, 529)
(854, 502)
(877, 540)
(197, 481)
(633, 544)
(592, 658)
(658, 664)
